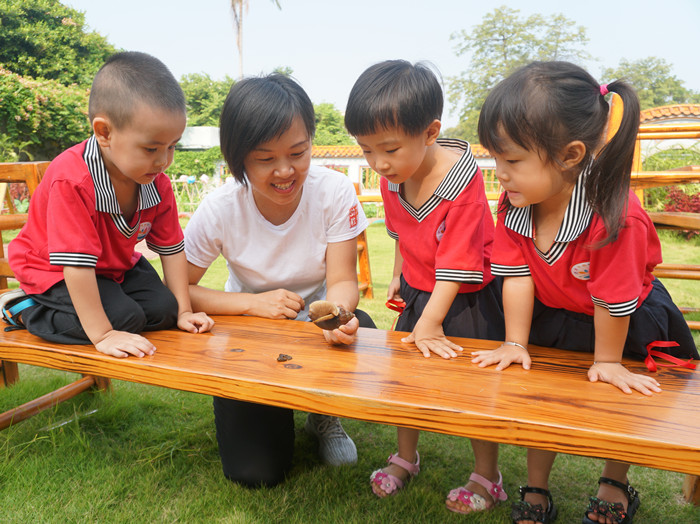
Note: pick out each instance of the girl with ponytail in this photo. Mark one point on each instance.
(576, 251)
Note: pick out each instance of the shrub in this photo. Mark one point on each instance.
(42, 117)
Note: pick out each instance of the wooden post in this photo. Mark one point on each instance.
(9, 373)
(691, 489)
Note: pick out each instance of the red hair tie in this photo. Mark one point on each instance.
(604, 89)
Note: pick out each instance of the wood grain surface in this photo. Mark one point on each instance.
(552, 406)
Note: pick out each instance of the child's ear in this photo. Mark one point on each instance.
(102, 128)
(573, 154)
(432, 132)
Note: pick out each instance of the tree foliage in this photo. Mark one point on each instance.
(501, 43)
(42, 117)
(330, 126)
(205, 98)
(45, 39)
(654, 81)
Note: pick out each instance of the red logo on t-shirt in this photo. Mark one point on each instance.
(144, 229)
(352, 215)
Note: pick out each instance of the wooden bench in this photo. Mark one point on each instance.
(552, 406)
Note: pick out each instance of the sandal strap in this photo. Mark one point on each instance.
(412, 469)
(495, 489)
(532, 489)
(628, 490)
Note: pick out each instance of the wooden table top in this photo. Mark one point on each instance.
(552, 406)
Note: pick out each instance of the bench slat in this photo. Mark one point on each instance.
(378, 379)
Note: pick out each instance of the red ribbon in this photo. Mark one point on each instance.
(397, 306)
(651, 363)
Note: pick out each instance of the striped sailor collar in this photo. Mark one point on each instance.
(458, 177)
(576, 218)
(105, 197)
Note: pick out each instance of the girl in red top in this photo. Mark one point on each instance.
(576, 249)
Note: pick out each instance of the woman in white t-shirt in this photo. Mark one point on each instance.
(287, 231)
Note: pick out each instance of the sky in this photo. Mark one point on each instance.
(328, 43)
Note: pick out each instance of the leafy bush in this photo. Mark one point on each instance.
(42, 117)
(657, 198)
(196, 162)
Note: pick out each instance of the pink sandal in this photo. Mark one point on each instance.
(474, 501)
(390, 484)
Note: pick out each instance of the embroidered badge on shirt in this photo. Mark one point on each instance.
(581, 271)
(440, 231)
(144, 229)
(352, 216)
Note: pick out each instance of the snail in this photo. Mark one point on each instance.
(327, 315)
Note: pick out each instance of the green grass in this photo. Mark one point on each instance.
(148, 454)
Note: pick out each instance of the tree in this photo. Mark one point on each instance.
(502, 42)
(330, 127)
(205, 98)
(654, 82)
(41, 117)
(239, 7)
(45, 39)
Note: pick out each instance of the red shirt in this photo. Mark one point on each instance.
(450, 236)
(572, 275)
(75, 220)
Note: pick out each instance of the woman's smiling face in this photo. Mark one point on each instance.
(276, 170)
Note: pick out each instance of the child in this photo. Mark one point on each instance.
(288, 232)
(576, 249)
(75, 257)
(436, 210)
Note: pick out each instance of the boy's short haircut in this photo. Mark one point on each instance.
(257, 110)
(394, 94)
(129, 78)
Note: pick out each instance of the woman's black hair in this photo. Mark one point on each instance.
(546, 105)
(394, 94)
(257, 110)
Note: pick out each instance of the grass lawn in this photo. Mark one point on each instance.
(148, 454)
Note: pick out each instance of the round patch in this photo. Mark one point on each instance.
(144, 229)
(440, 231)
(581, 271)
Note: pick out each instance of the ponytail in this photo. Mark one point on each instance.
(607, 184)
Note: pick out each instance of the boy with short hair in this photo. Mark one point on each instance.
(436, 210)
(81, 279)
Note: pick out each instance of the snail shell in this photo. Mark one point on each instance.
(327, 315)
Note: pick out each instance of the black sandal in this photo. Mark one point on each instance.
(522, 510)
(615, 511)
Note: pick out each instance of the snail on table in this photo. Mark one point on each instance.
(329, 316)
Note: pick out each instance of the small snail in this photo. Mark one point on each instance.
(327, 315)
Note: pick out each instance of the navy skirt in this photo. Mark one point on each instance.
(657, 319)
(472, 315)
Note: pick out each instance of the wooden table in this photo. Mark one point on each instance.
(552, 406)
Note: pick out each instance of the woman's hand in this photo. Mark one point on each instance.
(276, 304)
(345, 334)
(619, 376)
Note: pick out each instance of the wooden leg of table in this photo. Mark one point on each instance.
(9, 373)
(45, 402)
(101, 383)
(691, 489)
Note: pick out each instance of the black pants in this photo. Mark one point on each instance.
(140, 303)
(256, 442)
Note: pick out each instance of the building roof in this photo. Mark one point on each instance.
(656, 114)
(355, 151)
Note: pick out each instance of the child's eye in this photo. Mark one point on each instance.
(151, 149)
(393, 150)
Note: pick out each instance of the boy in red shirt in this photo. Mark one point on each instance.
(437, 211)
(81, 279)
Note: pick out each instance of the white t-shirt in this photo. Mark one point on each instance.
(261, 256)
